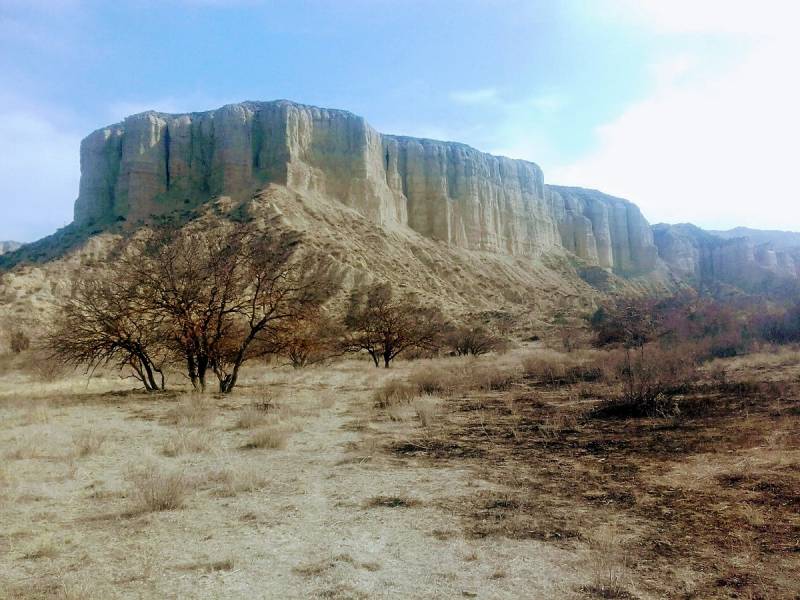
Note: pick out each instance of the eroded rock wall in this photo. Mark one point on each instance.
(155, 163)
(706, 258)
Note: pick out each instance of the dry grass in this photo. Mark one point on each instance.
(193, 410)
(212, 566)
(153, 488)
(392, 502)
(273, 438)
(608, 567)
(29, 447)
(251, 417)
(394, 392)
(88, 442)
(46, 548)
(187, 441)
(730, 532)
(427, 409)
(235, 479)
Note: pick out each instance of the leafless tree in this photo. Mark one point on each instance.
(103, 322)
(385, 325)
(312, 340)
(472, 339)
(228, 293)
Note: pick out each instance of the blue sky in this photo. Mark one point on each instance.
(687, 108)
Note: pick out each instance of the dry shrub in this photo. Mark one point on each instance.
(554, 369)
(236, 479)
(192, 411)
(19, 341)
(41, 366)
(392, 393)
(609, 567)
(88, 442)
(443, 378)
(251, 417)
(426, 408)
(187, 442)
(44, 548)
(153, 489)
(651, 379)
(274, 438)
(490, 377)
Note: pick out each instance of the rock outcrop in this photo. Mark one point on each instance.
(604, 230)
(6, 247)
(705, 258)
(155, 163)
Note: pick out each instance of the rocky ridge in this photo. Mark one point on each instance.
(154, 163)
(705, 258)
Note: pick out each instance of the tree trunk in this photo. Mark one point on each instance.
(191, 367)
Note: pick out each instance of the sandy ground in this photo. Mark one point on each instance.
(305, 524)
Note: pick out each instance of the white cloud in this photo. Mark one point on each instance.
(718, 151)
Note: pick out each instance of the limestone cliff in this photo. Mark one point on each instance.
(608, 231)
(155, 163)
(705, 258)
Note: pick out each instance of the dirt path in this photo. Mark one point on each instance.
(337, 517)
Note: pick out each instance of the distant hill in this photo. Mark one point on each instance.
(780, 240)
(6, 247)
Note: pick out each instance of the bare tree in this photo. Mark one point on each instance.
(312, 340)
(472, 339)
(384, 325)
(227, 294)
(102, 323)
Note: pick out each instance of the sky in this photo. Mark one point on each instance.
(688, 108)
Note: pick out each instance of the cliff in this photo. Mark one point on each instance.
(155, 163)
(705, 258)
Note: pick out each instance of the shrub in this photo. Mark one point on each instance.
(19, 341)
(153, 489)
(473, 340)
(193, 410)
(273, 438)
(426, 408)
(187, 442)
(251, 416)
(491, 377)
(88, 442)
(394, 392)
(651, 378)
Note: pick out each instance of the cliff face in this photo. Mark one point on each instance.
(155, 163)
(608, 231)
(704, 257)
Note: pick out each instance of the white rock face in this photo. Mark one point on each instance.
(154, 163)
(704, 257)
(6, 247)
